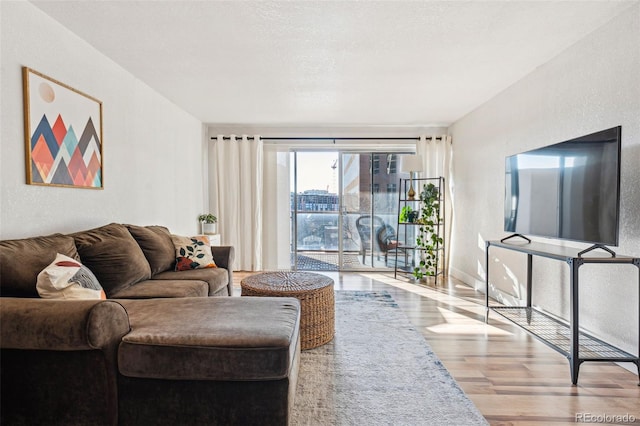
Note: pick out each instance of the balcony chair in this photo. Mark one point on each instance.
(364, 225)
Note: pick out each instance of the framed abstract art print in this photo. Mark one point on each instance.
(63, 134)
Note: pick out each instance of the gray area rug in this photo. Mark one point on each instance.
(378, 370)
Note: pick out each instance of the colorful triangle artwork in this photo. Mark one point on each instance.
(61, 175)
(44, 131)
(41, 158)
(59, 129)
(70, 142)
(58, 157)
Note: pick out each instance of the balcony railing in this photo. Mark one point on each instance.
(318, 231)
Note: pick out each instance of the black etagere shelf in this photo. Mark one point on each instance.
(408, 254)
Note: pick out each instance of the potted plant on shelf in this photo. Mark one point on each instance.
(408, 215)
(413, 216)
(208, 223)
(428, 238)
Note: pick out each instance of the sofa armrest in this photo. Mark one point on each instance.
(61, 325)
(223, 256)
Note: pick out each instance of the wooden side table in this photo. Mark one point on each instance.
(317, 301)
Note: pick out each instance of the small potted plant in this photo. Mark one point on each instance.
(408, 215)
(208, 222)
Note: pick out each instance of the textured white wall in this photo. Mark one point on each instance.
(591, 86)
(153, 150)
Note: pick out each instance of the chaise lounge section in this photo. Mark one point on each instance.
(203, 361)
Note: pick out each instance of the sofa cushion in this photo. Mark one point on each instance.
(22, 260)
(155, 242)
(193, 252)
(163, 288)
(66, 278)
(248, 338)
(216, 278)
(113, 255)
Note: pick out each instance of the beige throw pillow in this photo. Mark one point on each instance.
(66, 278)
(193, 252)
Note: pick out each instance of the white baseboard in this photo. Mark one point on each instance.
(469, 280)
(479, 285)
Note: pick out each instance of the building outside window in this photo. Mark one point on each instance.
(391, 164)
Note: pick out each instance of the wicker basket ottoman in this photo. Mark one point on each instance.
(317, 303)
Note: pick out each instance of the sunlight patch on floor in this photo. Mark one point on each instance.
(461, 324)
(474, 308)
(410, 287)
(423, 291)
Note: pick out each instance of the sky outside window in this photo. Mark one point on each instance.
(317, 170)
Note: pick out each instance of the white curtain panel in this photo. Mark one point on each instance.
(238, 164)
(437, 155)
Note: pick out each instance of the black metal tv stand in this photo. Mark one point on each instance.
(561, 335)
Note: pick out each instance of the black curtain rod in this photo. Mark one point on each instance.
(267, 138)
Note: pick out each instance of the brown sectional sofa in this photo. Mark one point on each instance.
(158, 351)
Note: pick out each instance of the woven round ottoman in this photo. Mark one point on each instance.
(317, 302)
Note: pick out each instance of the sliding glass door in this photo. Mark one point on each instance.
(370, 205)
(315, 211)
(344, 209)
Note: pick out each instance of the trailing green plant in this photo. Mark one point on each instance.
(207, 218)
(428, 238)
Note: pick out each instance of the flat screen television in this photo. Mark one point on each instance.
(569, 190)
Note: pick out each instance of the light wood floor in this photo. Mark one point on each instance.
(513, 378)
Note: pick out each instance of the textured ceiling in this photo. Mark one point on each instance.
(331, 63)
